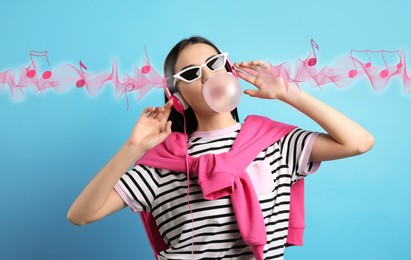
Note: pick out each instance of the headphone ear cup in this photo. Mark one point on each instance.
(179, 104)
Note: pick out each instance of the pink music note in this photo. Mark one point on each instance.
(379, 77)
(368, 64)
(81, 82)
(384, 73)
(354, 72)
(146, 68)
(312, 61)
(399, 64)
(32, 72)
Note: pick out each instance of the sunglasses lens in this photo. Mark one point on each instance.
(216, 63)
(190, 74)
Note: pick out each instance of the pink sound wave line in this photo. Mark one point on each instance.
(65, 76)
(345, 71)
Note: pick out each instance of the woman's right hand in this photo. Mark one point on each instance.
(152, 127)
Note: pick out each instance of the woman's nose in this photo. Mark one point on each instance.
(205, 74)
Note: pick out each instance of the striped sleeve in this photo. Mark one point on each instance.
(296, 148)
(138, 188)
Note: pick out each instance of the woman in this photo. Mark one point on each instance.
(210, 228)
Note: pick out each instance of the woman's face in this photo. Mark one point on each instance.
(196, 54)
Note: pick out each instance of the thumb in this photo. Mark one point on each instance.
(168, 127)
(251, 92)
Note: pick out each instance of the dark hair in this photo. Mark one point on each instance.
(175, 117)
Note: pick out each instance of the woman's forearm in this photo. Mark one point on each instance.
(341, 128)
(97, 190)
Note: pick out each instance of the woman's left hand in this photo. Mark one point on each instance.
(259, 74)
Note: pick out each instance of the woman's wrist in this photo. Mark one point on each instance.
(290, 94)
(134, 149)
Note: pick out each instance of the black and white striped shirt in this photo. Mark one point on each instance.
(216, 235)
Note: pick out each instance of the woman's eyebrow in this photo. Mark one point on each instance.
(196, 65)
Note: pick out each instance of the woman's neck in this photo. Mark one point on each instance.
(214, 121)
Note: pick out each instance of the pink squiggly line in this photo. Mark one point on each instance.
(345, 71)
(342, 73)
(65, 76)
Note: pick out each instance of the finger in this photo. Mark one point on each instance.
(256, 67)
(249, 71)
(249, 65)
(153, 113)
(147, 111)
(167, 109)
(167, 113)
(246, 77)
(260, 63)
(160, 114)
(168, 127)
(264, 66)
(246, 66)
(169, 104)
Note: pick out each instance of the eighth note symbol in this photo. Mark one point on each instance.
(32, 72)
(384, 73)
(353, 73)
(368, 64)
(146, 68)
(312, 61)
(81, 82)
(399, 64)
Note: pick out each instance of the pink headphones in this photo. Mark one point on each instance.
(179, 104)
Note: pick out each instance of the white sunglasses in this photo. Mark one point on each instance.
(192, 73)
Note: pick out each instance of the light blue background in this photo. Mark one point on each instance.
(52, 145)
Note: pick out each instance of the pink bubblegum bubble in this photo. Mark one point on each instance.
(222, 92)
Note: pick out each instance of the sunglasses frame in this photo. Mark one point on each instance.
(178, 75)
